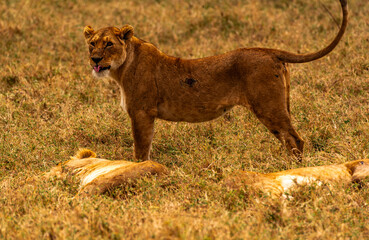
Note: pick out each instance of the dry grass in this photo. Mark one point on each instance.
(50, 106)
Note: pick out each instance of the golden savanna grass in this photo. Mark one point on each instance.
(50, 106)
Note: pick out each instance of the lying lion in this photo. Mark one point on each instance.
(98, 175)
(155, 85)
(278, 183)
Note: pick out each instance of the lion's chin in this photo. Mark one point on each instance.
(101, 74)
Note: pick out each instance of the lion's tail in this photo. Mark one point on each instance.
(301, 58)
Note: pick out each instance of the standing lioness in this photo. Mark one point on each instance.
(155, 85)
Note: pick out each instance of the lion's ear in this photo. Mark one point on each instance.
(88, 32)
(126, 32)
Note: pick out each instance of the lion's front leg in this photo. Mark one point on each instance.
(143, 132)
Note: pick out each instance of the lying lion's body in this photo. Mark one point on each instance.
(155, 85)
(278, 183)
(97, 175)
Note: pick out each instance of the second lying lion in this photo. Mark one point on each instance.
(278, 183)
(97, 175)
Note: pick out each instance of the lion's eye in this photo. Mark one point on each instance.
(109, 44)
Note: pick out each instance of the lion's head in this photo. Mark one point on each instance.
(360, 170)
(107, 48)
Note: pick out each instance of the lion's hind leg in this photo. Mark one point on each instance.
(267, 98)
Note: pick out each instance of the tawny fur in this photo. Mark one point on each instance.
(155, 85)
(98, 175)
(278, 183)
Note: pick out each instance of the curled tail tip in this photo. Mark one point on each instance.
(85, 153)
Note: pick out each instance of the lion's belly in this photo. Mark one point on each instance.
(199, 98)
(189, 112)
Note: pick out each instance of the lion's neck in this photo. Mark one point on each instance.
(136, 49)
(120, 72)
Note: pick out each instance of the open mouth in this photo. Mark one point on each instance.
(99, 68)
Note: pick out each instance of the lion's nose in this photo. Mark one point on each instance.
(96, 60)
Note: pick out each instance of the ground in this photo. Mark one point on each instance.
(50, 106)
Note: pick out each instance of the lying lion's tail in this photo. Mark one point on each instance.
(300, 58)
